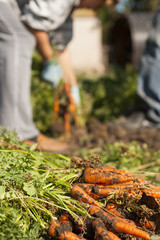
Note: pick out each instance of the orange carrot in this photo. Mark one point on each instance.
(88, 188)
(113, 236)
(101, 232)
(112, 208)
(98, 191)
(58, 227)
(90, 191)
(147, 224)
(56, 108)
(54, 228)
(116, 223)
(153, 187)
(66, 122)
(69, 236)
(65, 218)
(101, 191)
(66, 222)
(80, 194)
(105, 175)
(151, 192)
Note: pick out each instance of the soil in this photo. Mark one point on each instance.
(95, 134)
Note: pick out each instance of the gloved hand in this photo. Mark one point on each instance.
(76, 95)
(52, 72)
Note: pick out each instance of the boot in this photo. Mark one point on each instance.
(47, 144)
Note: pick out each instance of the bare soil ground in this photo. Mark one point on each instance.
(96, 134)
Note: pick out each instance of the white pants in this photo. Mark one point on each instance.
(16, 46)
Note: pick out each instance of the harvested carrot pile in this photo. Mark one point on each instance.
(48, 196)
(116, 201)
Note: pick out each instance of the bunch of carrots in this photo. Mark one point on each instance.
(105, 222)
(64, 106)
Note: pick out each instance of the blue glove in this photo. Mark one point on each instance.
(52, 72)
(76, 95)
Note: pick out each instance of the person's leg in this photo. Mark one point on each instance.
(148, 86)
(16, 46)
(148, 89)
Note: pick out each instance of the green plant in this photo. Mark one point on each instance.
(109, 96)
(34, 186)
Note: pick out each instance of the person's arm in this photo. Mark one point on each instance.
(51, 71)
(64, 59)
(43, 45)
(69, 75)
(95, 4)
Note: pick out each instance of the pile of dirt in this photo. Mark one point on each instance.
(149, 136)
(95, 134)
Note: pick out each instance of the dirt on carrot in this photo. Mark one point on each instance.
(53, 229)
(101, 232)
(81, 195)
(111, 207)
(57, 228)
(65, 218)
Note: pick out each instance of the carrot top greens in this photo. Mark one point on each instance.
(33, 187)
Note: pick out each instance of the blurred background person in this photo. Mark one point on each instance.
(24, 25)
(147, 114)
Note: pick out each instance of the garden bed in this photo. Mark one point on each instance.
(96, 134)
